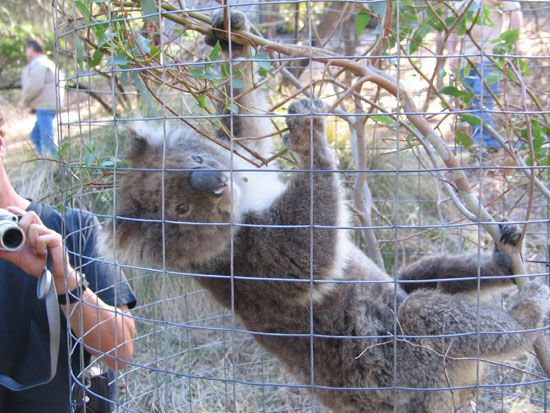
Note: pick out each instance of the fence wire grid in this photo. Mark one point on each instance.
(437, 117)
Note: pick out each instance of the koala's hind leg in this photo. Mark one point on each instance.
(502, 334)
(449, 267)
(451, 358)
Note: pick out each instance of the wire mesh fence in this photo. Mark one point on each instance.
(261, 263)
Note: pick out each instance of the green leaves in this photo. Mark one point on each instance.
(144, 92)
(201, 99)
(118, 60)
(143, 44)
(383, 119)
(96, 58)
(541, 145)
(465, 97)
(463, 139)
(214, 54)
(83, 9)
(506, 42)
(508, 37)
(493, 77)
(79, 53)
(149, 10)
(451, 91)
(362, 19)
(264, 65)
(216, 72)
(471, 119)
(206, 73)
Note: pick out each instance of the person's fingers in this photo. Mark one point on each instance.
(42, 238)
(28, 219)
(11, 256)
(42, 243)
(53, 243)
(33, 232)
(16, 210)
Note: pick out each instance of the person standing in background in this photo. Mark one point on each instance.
(503, 15)
(38, 84)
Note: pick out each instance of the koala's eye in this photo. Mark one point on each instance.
(197, 158)
(183, 209)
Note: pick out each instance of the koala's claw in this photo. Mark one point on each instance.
(509, 233)
(307, 123)
(237, 23)
(308, 106)
(237, 20)
(312, 111)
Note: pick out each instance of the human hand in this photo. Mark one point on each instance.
(31, 258)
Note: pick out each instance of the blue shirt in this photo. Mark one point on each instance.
(24, 333)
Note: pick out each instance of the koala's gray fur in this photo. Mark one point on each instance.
(293, 244)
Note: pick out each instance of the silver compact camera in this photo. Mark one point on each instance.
(12, 236)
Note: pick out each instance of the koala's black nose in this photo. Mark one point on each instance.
(208, 181)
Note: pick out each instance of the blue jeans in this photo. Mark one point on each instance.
(42, 134)
(482, 102)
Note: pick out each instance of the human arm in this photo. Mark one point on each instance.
(104, 329)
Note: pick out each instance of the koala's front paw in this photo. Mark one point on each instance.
(509, 233)
(306, 114)
(237, 23)
(306, 125)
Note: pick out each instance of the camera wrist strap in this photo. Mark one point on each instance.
(45, 290)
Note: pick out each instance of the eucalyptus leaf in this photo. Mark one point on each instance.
(384, 119)
(237, 83)
(510, 36)
(214, 54)
(471, 119)
(143, 43)
(201, 99)
(463, 139)
(150, 10)
(83, 9)
(79, 53)
(118, 60)
(144, 92)
(451, 91)
(96, 58)
(196, 72)
(362, 19)
(263, 61)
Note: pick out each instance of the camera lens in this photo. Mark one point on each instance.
(13, 238)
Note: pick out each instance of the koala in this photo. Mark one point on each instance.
(292, 275)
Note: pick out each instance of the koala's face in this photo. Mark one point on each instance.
(183, 199)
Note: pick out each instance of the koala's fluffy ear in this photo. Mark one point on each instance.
(139, 146)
